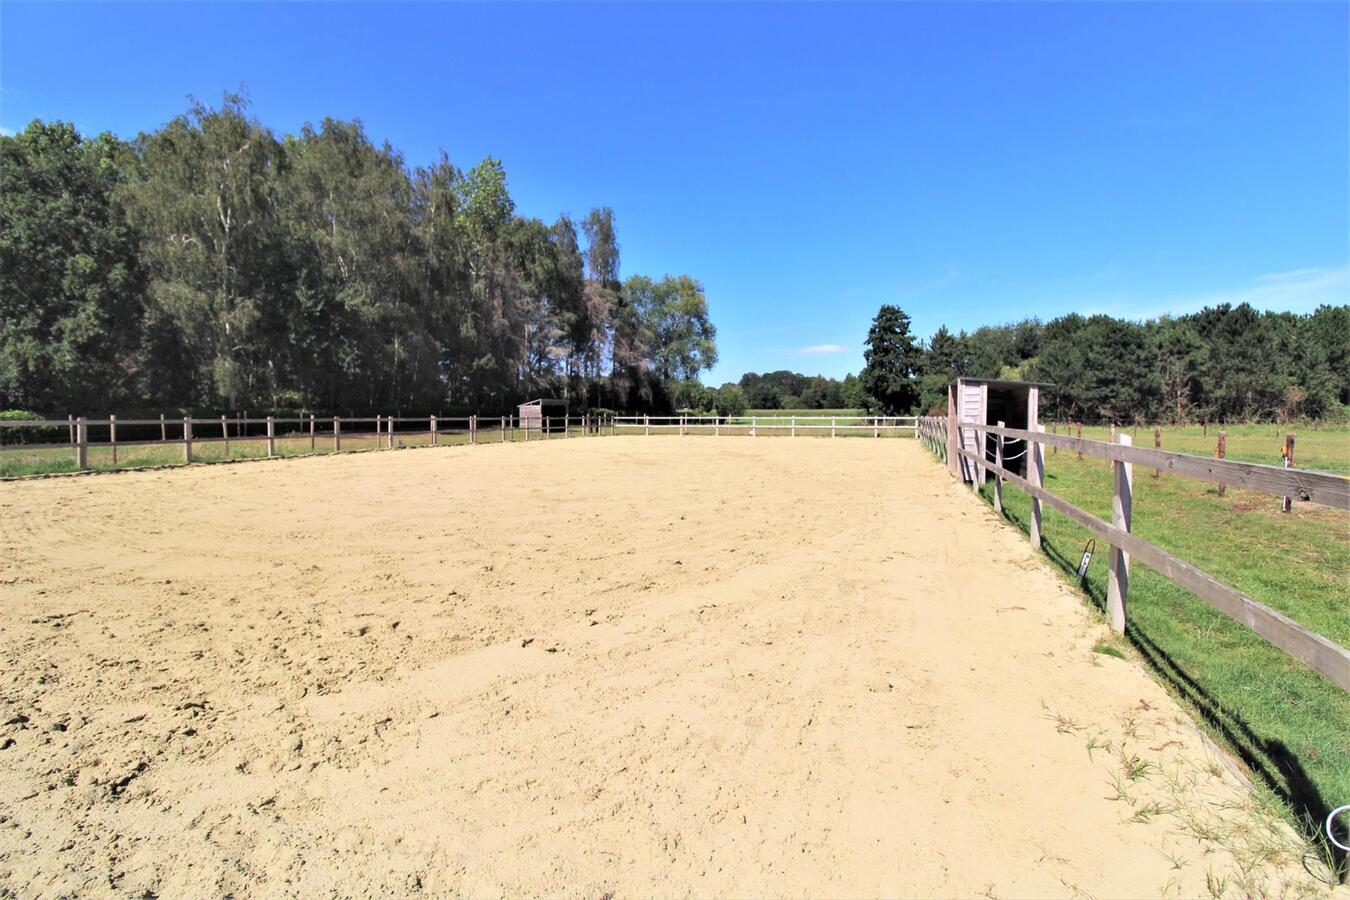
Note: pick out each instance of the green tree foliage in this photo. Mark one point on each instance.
(1222, 363)
(214, 264)
(71, 288)
(893, 363)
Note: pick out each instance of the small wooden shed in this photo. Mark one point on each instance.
(548, 416)
(988, 401)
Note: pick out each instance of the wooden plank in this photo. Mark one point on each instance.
(1036, 469)
(81, 442)
(1122, 503)
(1319, 653)
(998, 479)
(1325, 488)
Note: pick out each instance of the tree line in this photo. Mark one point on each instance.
(1224, 363)
(214, 264)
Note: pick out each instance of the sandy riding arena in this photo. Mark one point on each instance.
(610, 666)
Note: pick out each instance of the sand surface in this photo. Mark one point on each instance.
(630, 666)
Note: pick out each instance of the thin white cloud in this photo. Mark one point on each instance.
(820, 349)
(1297, 290)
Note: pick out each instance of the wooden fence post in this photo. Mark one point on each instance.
(1221, 452)
(717, 424)
(163, 429)
(390, 429)
(1080, 437)
(876, 426)
(80, 433)
(1288, 503)
(187, 439)
(271, 438)
(311, 432)
(70, 425)
(1157, 445)
(833, 424)
(754, 426)
(337, 435)
(1122, 500)
(646, 424)
(433, 431)
(1036, 469)
(379, 431)
(998, 475)
(567, 425)
(503, 429)
(225, 434)
(793, 432)
(1054, 451)
(112, 436)
(976, 473)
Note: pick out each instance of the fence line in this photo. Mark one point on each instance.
(877, 426)
(1318, 652)
(187, 431)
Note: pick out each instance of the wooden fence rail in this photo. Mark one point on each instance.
(1319, 653)
(190, 432)
(877, 426)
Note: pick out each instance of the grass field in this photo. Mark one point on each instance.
(1288, 724)
(17, 462)
(1325, 447)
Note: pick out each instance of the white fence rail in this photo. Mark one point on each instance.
(321, 433)
(778, 426)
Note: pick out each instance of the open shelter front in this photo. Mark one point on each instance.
(989, 401)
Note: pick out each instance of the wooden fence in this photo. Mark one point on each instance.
(786, 426)
(322, 432)
(1318, 652)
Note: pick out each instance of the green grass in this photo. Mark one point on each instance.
(1325, 447)
(1288, 724)
(17, 462)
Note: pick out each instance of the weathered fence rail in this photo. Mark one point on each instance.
(1318, 652)
(754, 426)
(189, 432)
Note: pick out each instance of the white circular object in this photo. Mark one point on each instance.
(1332, 818)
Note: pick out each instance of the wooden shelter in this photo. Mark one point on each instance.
(548, 416)
(989, 401)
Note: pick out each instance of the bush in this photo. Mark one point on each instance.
(37, 434)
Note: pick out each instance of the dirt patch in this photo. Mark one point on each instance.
(712, 666)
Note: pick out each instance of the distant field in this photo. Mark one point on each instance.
(1287, 722)
(1315, 446)
(15, 461)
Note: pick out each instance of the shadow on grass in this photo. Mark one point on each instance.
(1271, 760)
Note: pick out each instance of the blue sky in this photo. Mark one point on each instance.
(973, 163)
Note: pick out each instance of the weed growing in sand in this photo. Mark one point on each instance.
(1106, 648)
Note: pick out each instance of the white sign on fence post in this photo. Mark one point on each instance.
(1122, 500)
